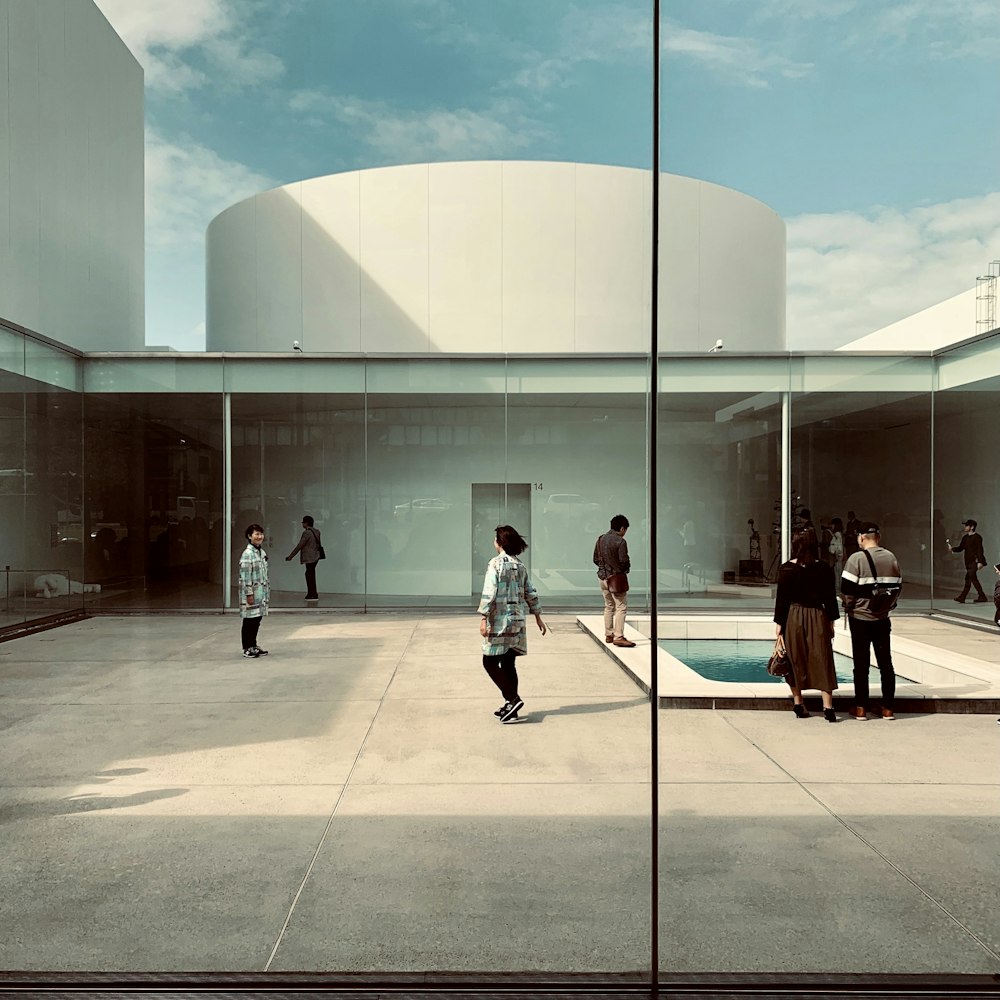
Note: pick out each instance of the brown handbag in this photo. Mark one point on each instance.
(778, 665)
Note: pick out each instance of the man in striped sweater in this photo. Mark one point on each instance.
(870, 588)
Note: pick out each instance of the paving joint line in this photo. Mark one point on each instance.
(864, 840)
(333, 812)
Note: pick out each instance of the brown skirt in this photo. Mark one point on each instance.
(809, 642)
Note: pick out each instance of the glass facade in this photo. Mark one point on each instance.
(128, 482)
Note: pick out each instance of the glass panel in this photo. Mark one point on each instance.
(433, 443)
(296, 455)
(54, 367)
(11, 351)
(719, 468)
(153, 374)
(153, 501)
(576, 436)
(13, 463)
(55, 540)
(861, 438)
(966, 412)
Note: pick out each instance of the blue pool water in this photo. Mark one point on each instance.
(741, 660)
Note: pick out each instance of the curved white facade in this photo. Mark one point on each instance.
(493, 257)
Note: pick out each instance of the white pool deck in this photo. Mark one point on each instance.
(950, 667)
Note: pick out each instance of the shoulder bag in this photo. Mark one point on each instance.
(322, 551)
(779, 665)
(884, 595)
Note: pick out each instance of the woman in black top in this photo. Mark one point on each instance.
(805, 610)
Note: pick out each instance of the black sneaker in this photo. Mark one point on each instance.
(499, 711)
(510, 719)
(510, 709)
(251, 652)
(257, 651)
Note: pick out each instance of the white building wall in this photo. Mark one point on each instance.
(931, 329)
(71, 176)
(485, 257)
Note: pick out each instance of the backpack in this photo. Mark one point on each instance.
(884, 595)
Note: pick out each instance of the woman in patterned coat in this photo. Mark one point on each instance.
(255, 592)
(506, 592)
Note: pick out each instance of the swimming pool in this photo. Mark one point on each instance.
(931, 678)
(742, 661)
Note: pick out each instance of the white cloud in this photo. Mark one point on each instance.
(623, 33)
(165, 34)
(738, 60)
(852, 273)
(942, 28)
(188, 184)
(456, 133)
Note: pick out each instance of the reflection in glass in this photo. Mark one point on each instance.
(153, 500)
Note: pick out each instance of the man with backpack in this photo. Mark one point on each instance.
(870, 587)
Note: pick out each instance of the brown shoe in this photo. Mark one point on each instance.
(887, 714)
(609, 639)
(859, 713)
(622, 642)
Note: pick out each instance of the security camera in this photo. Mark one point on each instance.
(718, 347)
(295, 346)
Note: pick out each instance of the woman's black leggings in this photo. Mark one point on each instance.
(251, 626)
(503, 673)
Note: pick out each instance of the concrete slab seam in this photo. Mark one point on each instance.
(864, 840)
(333, 812)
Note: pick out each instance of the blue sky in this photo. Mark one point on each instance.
(870, 126)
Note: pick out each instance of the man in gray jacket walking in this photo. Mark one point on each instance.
(310, 552)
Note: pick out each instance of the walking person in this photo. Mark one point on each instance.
(971, 546)
(805, 610)
(996, 595)
(310, 550)
(870, 587)
(506, 592)
(255, 592)
(612, 562)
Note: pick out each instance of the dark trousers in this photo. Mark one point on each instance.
(972, 580)
(251, 626)
(864, 636)
(503, 673)
(311, 592)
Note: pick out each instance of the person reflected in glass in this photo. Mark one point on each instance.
(507, 591)
(971, 547)
(309, 549)
(851, 530)
(836, 547)
(805, 610)
(255, 591)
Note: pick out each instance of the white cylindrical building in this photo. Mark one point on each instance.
(494, 257)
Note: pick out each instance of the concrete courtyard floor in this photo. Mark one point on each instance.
(349, 803)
